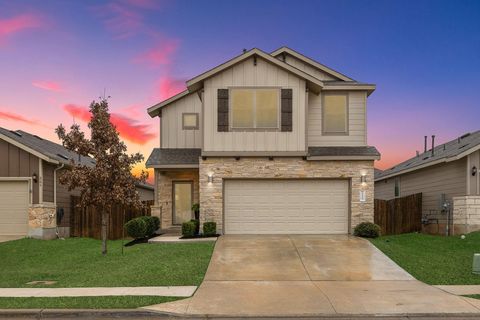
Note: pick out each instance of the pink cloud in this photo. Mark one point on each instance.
(160, 54)
(18, 23)
(128, 128)
(168, 87)
(48, 85)
(10, 116)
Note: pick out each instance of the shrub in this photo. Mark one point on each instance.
(188, 229)
(136, 228)
(367, 230)
(210, 228)
(153, 223)
(197, 225)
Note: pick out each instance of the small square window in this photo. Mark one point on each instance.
(190, 121)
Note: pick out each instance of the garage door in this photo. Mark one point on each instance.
(14, 197)
(286, 206)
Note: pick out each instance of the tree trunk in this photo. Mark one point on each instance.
(104, 231)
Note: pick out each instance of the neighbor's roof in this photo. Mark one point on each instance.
(42, 148)
(450, 151)
(174, 158)
(314, 84)
(366, 152)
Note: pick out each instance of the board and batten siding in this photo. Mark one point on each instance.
(305, 67)
(172, 134)
(448, 178)
(15, 162)
(357, 132)
(246, 74)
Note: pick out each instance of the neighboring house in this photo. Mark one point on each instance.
(448, 180)
(30, 191)
(266, 143)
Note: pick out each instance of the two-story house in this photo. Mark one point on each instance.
(266, 144)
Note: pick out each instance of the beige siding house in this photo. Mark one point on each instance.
(266, 144)
(33, 202)
(448, 180)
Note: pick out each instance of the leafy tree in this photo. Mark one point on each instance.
(110, 180)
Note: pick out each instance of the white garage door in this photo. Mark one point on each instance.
(14, 197)
(286, 206)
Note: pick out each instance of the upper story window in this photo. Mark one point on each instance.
(190, 121)
(335, 114)
(255, 108)
(397, 187)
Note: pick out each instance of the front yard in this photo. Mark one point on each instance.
(433, 259)
(77, 262)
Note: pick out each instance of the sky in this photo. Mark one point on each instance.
(56, 57)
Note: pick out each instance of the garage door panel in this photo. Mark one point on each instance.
(286, 206)
(14, 201)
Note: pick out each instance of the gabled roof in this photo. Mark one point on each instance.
(450, 151)
(42, 148)
(311, 62)
(313, 83)
(197, 82)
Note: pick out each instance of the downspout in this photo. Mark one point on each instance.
(55, 195)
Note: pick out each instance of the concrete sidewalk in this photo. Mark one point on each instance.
(177, 291)
(460, 290)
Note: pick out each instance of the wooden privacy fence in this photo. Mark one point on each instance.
(400, 215)
(87, 222)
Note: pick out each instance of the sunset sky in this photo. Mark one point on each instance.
(58, 56)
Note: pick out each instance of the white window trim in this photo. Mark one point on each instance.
(347, 115)
(254, 128)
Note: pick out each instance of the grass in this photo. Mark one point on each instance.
(122, 302)
(474, 296)
(434, 259)
(78, 262)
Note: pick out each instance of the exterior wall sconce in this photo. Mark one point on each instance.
(34, 177)
(474, 171)
(210, 177)
(363, 180)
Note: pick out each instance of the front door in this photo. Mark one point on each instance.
(182, 201)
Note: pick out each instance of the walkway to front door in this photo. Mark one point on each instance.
(309, 275)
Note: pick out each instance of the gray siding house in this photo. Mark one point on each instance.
(447, 177)
(266, 143)
(30, 192)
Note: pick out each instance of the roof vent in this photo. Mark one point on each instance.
(465, 135)
(463, 146)
(37, 137)
(16, 133)
(62, 156)
(425, 158)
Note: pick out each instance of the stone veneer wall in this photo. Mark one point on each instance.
(466, 214)
(163, 209)
(211, 195)
(42, 221)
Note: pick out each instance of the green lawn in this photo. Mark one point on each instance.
(78, 262)
(433, 259)
(126, 302)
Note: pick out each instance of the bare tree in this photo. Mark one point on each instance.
(110, 181)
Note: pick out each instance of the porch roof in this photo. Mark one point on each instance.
(174, 158)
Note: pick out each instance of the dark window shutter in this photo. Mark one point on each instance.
(286, 110)
(222, 110)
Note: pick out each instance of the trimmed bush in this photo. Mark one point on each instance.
(210, 228)
(188, 229)
(367, 230)
(152, 224)
(197, 225)
(136, 228)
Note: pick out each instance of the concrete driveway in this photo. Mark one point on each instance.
(307, 275)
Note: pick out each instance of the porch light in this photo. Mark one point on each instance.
(210, 177)
(34, 177)
(474, 171)
(363, 180)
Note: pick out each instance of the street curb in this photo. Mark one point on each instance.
(145, 314)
